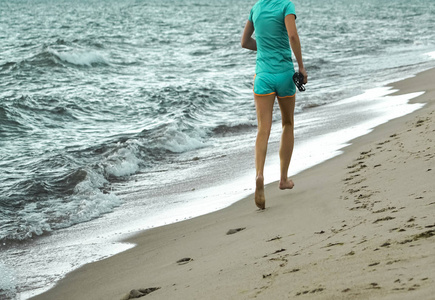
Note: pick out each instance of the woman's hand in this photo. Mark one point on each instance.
(304, 72)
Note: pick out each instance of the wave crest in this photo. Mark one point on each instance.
(88, 201)
(80, 57)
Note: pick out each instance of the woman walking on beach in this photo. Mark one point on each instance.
(274, 23)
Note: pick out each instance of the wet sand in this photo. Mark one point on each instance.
(358, 226)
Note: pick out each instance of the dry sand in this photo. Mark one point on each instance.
(359, 226)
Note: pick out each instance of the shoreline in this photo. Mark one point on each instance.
(100, 234)
(247, 263)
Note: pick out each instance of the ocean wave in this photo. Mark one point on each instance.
(80, 57)
(7, 66)
(40, 59)
(10, 124)
(308, 104)
(176, 141)
(89, 201)
(5, 119)
(181, 142)
(56, 198)
(122, 162)
(316, 64)
(175, 137)
(67, 183)
(50, 57)
(126, 155)
(25, 111)
(231, 129)
(397, 41)
(62, 112)
(200, 52)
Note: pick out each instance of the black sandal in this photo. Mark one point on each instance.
(298, 79)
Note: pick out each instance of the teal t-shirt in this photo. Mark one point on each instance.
(273, 48)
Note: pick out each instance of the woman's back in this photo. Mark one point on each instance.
(273, 49)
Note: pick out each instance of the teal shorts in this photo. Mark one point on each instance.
(280, 84)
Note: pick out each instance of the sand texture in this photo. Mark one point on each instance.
(359, 226)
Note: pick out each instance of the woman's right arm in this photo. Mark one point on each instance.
(247, 41)
(290, 24)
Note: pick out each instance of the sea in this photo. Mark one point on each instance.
(122, 115)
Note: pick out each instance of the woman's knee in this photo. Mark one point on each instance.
(264, 129)
(287, 122)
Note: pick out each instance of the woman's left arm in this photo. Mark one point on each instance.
(247, 41)
(295, 44)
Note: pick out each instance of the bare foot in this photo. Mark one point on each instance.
(260, 200)
(286, 184)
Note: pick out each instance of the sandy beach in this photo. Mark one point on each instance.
(358, 226)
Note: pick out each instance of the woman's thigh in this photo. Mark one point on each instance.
(287, 107)
(264, 108)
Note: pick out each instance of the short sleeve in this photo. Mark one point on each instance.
(289, 9)
(250, 16)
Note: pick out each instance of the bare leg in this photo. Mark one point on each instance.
(287, 106)
(264, 106)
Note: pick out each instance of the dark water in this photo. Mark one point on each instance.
(96, 95)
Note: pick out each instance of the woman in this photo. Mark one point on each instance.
(274, 22)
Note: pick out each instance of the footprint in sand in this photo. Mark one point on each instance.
(317, 290)
(276, 252)
(333, 244)
(383, 219)
(274, 239)
(184, 261)
(139, 293)
(386, 244)
(384, 142)
(375, 286)
(384, 209)
(279, 251)
(292, 271)
(235, 230)
(424, 235)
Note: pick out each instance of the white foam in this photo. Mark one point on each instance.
(176, 141)
(89, 202)
(81, 58)
(32, 221)
(65, 256)
(182, 142)
(95, 205)
(122, 163)
(7, 279)
(431, 54)
(92, 181)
